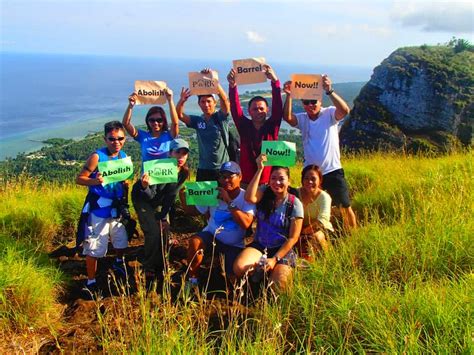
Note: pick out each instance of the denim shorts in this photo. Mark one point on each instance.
(289, 259)
(229, 252)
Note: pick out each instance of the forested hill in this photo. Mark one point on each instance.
(61, 159)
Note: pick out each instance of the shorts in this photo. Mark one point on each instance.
(289, 259)
(97, 236)
(207, 175)
(334, 183)
(230, 252)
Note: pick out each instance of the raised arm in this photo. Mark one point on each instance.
(224, 101)
(127, 116)
(342, 108)
(90, 166)
(235, 107)
(288, 116)
(184, 96)
(174, 115)
(277, 104)
(253, 194)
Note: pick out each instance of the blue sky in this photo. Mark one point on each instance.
(359, 33)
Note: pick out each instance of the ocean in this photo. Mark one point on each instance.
(68, 96)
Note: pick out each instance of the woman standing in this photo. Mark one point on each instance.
(279, 221)
(152, 204)
(317, 212)
(154, 143)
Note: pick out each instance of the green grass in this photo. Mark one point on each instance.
(400, 283)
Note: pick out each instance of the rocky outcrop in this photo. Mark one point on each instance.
(419, 98)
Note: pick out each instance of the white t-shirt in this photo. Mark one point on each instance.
(321, 139)
(220, 216)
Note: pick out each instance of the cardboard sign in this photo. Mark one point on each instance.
(307, 86)
(203, 84)
(161, 171)
(203, 193)
(116, 170)
(150, 92)
(249, 71)
(279, 153)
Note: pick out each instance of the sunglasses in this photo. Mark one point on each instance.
(227, 176)
(158, 120)
(309, 102)
(113, 139)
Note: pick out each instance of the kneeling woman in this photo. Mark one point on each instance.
(279, 221)
(152, 204)
(317, 212)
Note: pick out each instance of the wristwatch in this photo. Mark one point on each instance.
(232, 205)
(329, 92)
(277, 258)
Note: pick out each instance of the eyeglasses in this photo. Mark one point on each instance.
(158, 120)
(225, 176)
(113, 139)
(309, 102)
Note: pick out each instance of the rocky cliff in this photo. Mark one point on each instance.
(419, 98)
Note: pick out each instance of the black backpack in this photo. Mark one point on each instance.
(233, 145)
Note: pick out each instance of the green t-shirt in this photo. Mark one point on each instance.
(212, 152)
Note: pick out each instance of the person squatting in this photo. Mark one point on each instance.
(289, 223)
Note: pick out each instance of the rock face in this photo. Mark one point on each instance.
(419, 98)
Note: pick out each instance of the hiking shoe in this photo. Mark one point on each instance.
(90, 292)
(119, 268)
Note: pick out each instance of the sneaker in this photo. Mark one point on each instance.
(120, 269)
(90, 292)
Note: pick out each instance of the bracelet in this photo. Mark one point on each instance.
(329, 92)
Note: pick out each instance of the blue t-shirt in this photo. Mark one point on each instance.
(212, 152)
(154, 147)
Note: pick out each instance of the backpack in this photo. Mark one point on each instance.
(290, 205)
(233, 145)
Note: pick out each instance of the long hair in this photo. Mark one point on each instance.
(152, 111)
(314, 168)
(267, 202)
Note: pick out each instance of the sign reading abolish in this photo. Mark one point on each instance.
(279, 153)
(203, 84)
(116, 170)
(150, 92)
(161, 171)
(307, 86)
(203, 193)
(249, 71)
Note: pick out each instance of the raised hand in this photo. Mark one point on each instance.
(185, 94)
(169, 94)
(231, 77)
(327, 84)
(261, 159)
(287, 87)
(269, 72)
(132, 100)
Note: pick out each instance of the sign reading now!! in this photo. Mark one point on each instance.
(116, 170)
(307, 86)
(249, 71)
(279, 153)
(202, 193)
(161, 171)
(203, 84)
(150, 92)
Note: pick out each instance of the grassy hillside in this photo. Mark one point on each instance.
(401, 283)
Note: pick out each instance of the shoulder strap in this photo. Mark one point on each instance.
(290, 204)
(221, 129)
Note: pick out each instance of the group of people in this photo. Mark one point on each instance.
(248, 191)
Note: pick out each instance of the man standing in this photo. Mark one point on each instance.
(320, 134)
(208, 126)
(253, 132)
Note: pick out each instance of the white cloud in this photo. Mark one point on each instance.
(451, 17)
(254, 37)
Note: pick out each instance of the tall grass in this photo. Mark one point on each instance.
(402, 282)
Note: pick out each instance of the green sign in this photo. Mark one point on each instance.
(161, 171)
(116, 170)
(203, 193)
(279, 153)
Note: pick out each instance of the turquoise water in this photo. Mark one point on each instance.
(46, 96)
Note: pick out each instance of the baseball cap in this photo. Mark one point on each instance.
(231, 167)
(179, 143)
